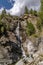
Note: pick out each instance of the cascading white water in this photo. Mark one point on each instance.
(29, 45)
(19, 38)
(17, 30)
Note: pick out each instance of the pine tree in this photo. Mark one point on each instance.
(31, 11)
(41, 5)
(3, 13)
(26, 10)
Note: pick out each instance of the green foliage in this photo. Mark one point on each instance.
(3, 13)
(39, 24)
(33, 12)
(41, 5)
(26, 10)
(41, 14)
(1, 27)
(8, 26)
(30, 28)
(36, 35)
(4, 27)
(41, 17)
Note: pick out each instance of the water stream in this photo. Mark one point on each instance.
(18, 35)
(28, 44)
(17, 31)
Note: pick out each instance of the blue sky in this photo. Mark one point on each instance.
(17, 7)
(6, 4)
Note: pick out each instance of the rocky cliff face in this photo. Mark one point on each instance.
(15, 44)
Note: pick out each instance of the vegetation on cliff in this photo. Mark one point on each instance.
(30, 24)
(30, 28)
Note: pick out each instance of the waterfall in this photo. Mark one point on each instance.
(18, 37)
(18, 34)
(29, 45)
(17, 30)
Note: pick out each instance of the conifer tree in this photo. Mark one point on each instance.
(26, 10)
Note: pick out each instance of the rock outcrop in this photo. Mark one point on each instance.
(15, 44)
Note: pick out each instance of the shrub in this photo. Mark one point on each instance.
(30, 28)
(3, 27)
(7, 26)
(35, 13)
(41, 14)
(41, 17)
(39, 24)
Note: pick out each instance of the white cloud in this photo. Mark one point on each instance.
(19, 5)
(1, 10)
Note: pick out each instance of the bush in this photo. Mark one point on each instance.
(7, 26)
(41, 14)
(41, 17)
(30, 28)
(35, 13)
(39, 24)
(3, 27)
